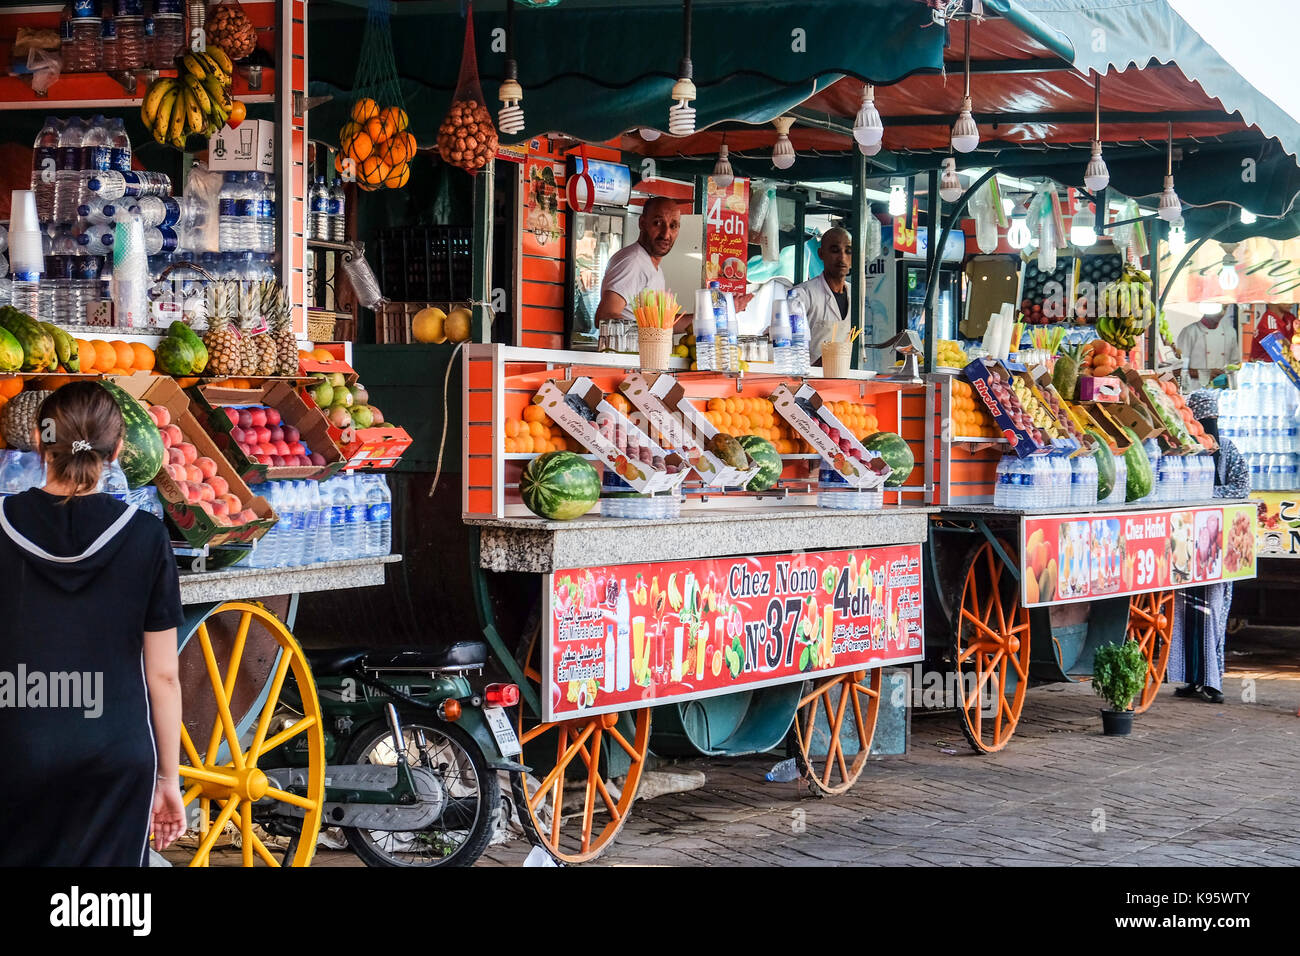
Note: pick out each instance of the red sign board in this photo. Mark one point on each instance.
(726, 235)
(637, 635)
(1070, 558)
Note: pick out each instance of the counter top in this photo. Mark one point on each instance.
(987, 508)
(235, 584)
(538, 546)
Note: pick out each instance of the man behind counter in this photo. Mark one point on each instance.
(636, 267)
(826, 298)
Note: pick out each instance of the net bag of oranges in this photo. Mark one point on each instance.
(466, 137)
(375, 147)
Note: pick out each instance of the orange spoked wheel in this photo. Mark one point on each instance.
(1151, 623)
(833, 707)
(575, 809)
(247, 691)
(990, 650)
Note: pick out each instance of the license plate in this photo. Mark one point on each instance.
(502, 730)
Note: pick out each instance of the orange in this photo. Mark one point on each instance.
(350, 129)
(537, 429)
(144, 357)
(716, 405)
(378, 129)
(729, 406)
(358, 148)
(105, 356)
(364, 109)
(187, 382)
(86, 350)
(510, 446)
(238, 113)
(304, 354)
(525, 443)
(395, 151)
(373, 171)
(11, 386)
(322, 355)
(399, 177)
(395, 116)
(534, 413)
(512, 427)
(125, 354)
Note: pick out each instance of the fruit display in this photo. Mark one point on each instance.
(1033, 415)
(769, 461)
(466, 138)
(375, 146)
(1140, 479)
(1043, 295)
(753, 416)
(18, 419)
(535, 434)
(36, 341)
(1240, 551)
(1065, 373)
(1125, 308)
(196, 475)
(196, 100)
(1047, 393)
(228, 27)
(950, 354)
(260, 433)
(224, 344)
(1175, 416)
(633, 445)
(429, 326)
(1095, 272)
(11, 353)
(970, 419)
(181, 352)
(896, 453)
(344, 406)
(559, 486)
(143, 450)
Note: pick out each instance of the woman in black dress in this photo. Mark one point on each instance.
(90, 704)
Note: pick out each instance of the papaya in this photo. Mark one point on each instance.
(11, 353)
(36, 343)
(1065, 377)
(728, 449)
(180, 330)
(175, 356)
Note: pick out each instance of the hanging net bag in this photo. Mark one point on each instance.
(466, 138)
(375, 147)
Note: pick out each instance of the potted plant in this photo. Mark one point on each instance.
(1118, 675)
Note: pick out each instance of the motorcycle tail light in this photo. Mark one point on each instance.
(502, 695)
(449, 709)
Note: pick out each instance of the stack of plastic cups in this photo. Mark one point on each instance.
(26, 257)
(130, 276)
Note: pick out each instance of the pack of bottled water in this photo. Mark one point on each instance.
(1035, 482)
(833, 491)
(343, 518)
(1262, 418)
(1083, 480)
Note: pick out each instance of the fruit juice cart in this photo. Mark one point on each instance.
(749, 620)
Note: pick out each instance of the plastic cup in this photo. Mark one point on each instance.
(835, 359)
(22, 212)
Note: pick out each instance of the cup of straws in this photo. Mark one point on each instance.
(837, 354)
(655, 314)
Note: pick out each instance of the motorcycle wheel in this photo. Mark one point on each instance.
(462, 833)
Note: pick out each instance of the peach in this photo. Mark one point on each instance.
(193, 474)
(176, 472)
(222, 520)
(206, 506)
(191, 453)
(161, 417)
(175, 456)
(219, 506)
(206, 493)
(266, 448)
(233, 504)
(219, 485)
(191, 491)
(247, 515)
(264, 459)
(207, 466)
(174, 434)
(298, 448)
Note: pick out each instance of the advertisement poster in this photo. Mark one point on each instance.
(637, 635)
(905, 238)
(726, 236)
(543, 227)
(1279, 523)
(1067, 558)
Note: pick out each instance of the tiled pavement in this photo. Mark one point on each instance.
(1195, 784)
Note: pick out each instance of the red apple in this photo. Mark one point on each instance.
(277, 434)
(193, 474)
(219, 485)
(263, 459)
(273, 417)
(834, 435)
(191, 453)
(277, 461)
(282, 449)
(175, 456)
(297, 448)
(265, 448)
(245, 418)
(257, 416)
(263, 433)
(238, 435)
(317, 459)
(291, 434)
(207, 466)
(232, 414)
(174, 434)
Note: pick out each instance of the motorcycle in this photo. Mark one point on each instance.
(432, 800)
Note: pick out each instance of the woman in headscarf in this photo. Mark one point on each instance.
(1201, 614)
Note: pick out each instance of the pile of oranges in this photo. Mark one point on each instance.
(536, 434)
(970, 419)
(860, 420)
(753, 416)
(375, 147)
(115, 357)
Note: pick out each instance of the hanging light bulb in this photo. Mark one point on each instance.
(866, 150)
(867, 127)
(897, 197)
(1228, 278)
(783, 149)
(1177, 237)
(723, 175)
(965, 134)
(1083, 228)
(1170, 206)
(649, 135)
(950, 186)
(1248, 218)
(681, 115)
(1018, 232)
(510, 118)
(1096, 176)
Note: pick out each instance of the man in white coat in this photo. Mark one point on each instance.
(826, 298)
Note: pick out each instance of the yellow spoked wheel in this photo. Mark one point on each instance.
(1151, 623)
(241, 671)
(832, 703)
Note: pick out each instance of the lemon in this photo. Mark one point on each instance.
(681, 351)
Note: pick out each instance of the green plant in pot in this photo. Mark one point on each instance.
(1118, 675)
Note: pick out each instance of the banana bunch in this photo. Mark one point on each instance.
(1126, 308)
(196, 100)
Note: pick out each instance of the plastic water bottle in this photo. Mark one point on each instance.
(339, 499)
(158, 241)
(96, 156)
(84, 289)
(356, 517)
(68, 182)
(246, 209)
(798, 336)
(115, 184)
(298, 544)
(379, 511)
(157, 211)
(310, 503)
(100, 212)
(96, 242)
(264, 233)
(783, 772)
(119, 145)
(318, 210)
(227, 213)
(1290, 472)
(338, 213)
(45, 167)
(779, 333)
(1002, 485)
(112, 481)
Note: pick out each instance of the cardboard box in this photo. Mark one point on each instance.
(1276, 345)
(1100, 418)
(1046, 393)
(1177, 439)
(251, 147)
(314, 366)
(211, 400)
(989, 378)
(866, 473)
(373, 449)
(642, 476)
(1105, 388)
(196, 525)
(681, 427)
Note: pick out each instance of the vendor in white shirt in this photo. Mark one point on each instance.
(826, 298)
(636, 267)
(1208, 347)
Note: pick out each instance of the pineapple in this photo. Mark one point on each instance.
(267, 355)
(286, 344)
(225, 348)
(18, 419)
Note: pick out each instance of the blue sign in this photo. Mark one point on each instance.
(613, 181)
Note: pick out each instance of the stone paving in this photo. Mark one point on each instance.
(1195, 784)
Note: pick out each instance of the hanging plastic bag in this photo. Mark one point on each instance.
(873, 239)
(771, 234)
(467, 139)
(761, 192)
(986, 224)
(227, 26)
(375, 147)
(45, 67)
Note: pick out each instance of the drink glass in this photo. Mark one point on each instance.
(638, 642)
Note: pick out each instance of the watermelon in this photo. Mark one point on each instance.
(1105, 465)
(896, 453)
(559, 485)
(142, 448)
(769, 462)
(1140, 479)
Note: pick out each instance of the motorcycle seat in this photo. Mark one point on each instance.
(461, 655)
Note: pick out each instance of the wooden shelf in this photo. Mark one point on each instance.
(104, 91)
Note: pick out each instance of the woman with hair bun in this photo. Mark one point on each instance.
(90, 704)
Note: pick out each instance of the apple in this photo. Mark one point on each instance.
(238, 435)
(834, 435)
(297, 448)
(277, 434)
(193, 474)
(175, 456)
(232, 414)
(219, 485)
(277, 461)
(282, 449)
(245, 418)
(292, 434)
(263, 459)
(161, 417)
(174, 434)
(273, 417)
(845, 445)
(207, 466)
(257, 416)
(263, 433)
(265, 448)
(317, 459)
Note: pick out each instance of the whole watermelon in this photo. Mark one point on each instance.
(1105, 465)
(896, 453)
(1140, 479)
(559, 485)
(142, 448)
(769, 462)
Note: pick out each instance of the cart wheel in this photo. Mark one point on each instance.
(574, 834)
(257, 655)
(1150, 623)
(991, 650)
(836, 699)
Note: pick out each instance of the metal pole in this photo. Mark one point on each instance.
(801, 247)
(932, 259)
(1153, 331)
(932, 290)
(861, 212)
(481, 282)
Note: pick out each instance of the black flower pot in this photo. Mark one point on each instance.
(1117, 723)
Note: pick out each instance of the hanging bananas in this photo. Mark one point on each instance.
(1126, 308)
(196, 100)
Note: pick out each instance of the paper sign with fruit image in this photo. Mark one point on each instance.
(809, 416)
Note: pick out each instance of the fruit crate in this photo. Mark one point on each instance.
(426, 262)
(393, 322)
